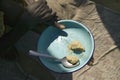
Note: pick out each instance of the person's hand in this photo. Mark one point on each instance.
(40, 10)
(36, 12)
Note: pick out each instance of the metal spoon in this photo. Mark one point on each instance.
(64, 61)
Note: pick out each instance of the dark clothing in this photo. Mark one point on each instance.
(23, 18)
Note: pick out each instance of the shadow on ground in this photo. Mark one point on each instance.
(111, 21)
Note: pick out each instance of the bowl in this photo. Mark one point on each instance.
(54, 42)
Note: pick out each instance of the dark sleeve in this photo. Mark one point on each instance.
(11, 10)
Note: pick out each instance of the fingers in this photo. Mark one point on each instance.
(42, 12)
(35, 8)
(29, 2)
(54, 16)
(46, 14)
(38, 10)
(58, 25)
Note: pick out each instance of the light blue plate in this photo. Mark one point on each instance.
(54, 42)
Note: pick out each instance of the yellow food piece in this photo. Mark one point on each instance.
(76, 45)
(72, 59)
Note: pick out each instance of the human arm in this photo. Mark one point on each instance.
(23, 18)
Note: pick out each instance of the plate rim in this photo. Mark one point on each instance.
(92, 51)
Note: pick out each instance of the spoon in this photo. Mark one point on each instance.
(64, 61)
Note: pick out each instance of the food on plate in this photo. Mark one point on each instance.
(72, 59)
(76, 45)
